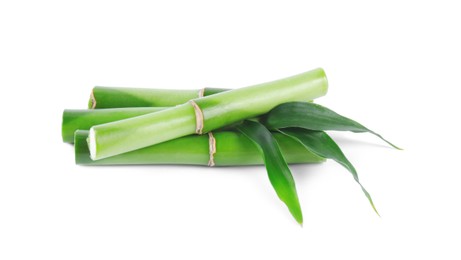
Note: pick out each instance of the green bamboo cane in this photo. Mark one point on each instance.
(84, 119)
(121, 97)
(232, 149)
(203, 114)
(114, 97)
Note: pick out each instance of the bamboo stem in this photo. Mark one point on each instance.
(114, 97)
(232, 149)
(84, 119)
(121, 136)
(218, 110)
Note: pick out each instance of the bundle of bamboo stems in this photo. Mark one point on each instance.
(270, 123)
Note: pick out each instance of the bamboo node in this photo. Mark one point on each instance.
(198, 117)
(212, 147)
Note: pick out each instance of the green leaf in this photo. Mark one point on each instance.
(277, 168)
(320, 143)
(314, 117)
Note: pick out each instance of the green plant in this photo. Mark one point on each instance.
(269, 124)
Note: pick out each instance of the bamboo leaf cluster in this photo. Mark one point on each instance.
(270, 123)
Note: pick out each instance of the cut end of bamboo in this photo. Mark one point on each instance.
(92, 143)
(92, 101)
(324, 79)
(63, 132)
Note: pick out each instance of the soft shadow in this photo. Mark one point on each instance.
(304, 173)
(186, 169)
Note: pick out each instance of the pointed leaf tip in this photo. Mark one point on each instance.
(313, 117)
(324, 146)
(277, 169)
(382, 138)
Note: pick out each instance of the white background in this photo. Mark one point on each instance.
(394, 66)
